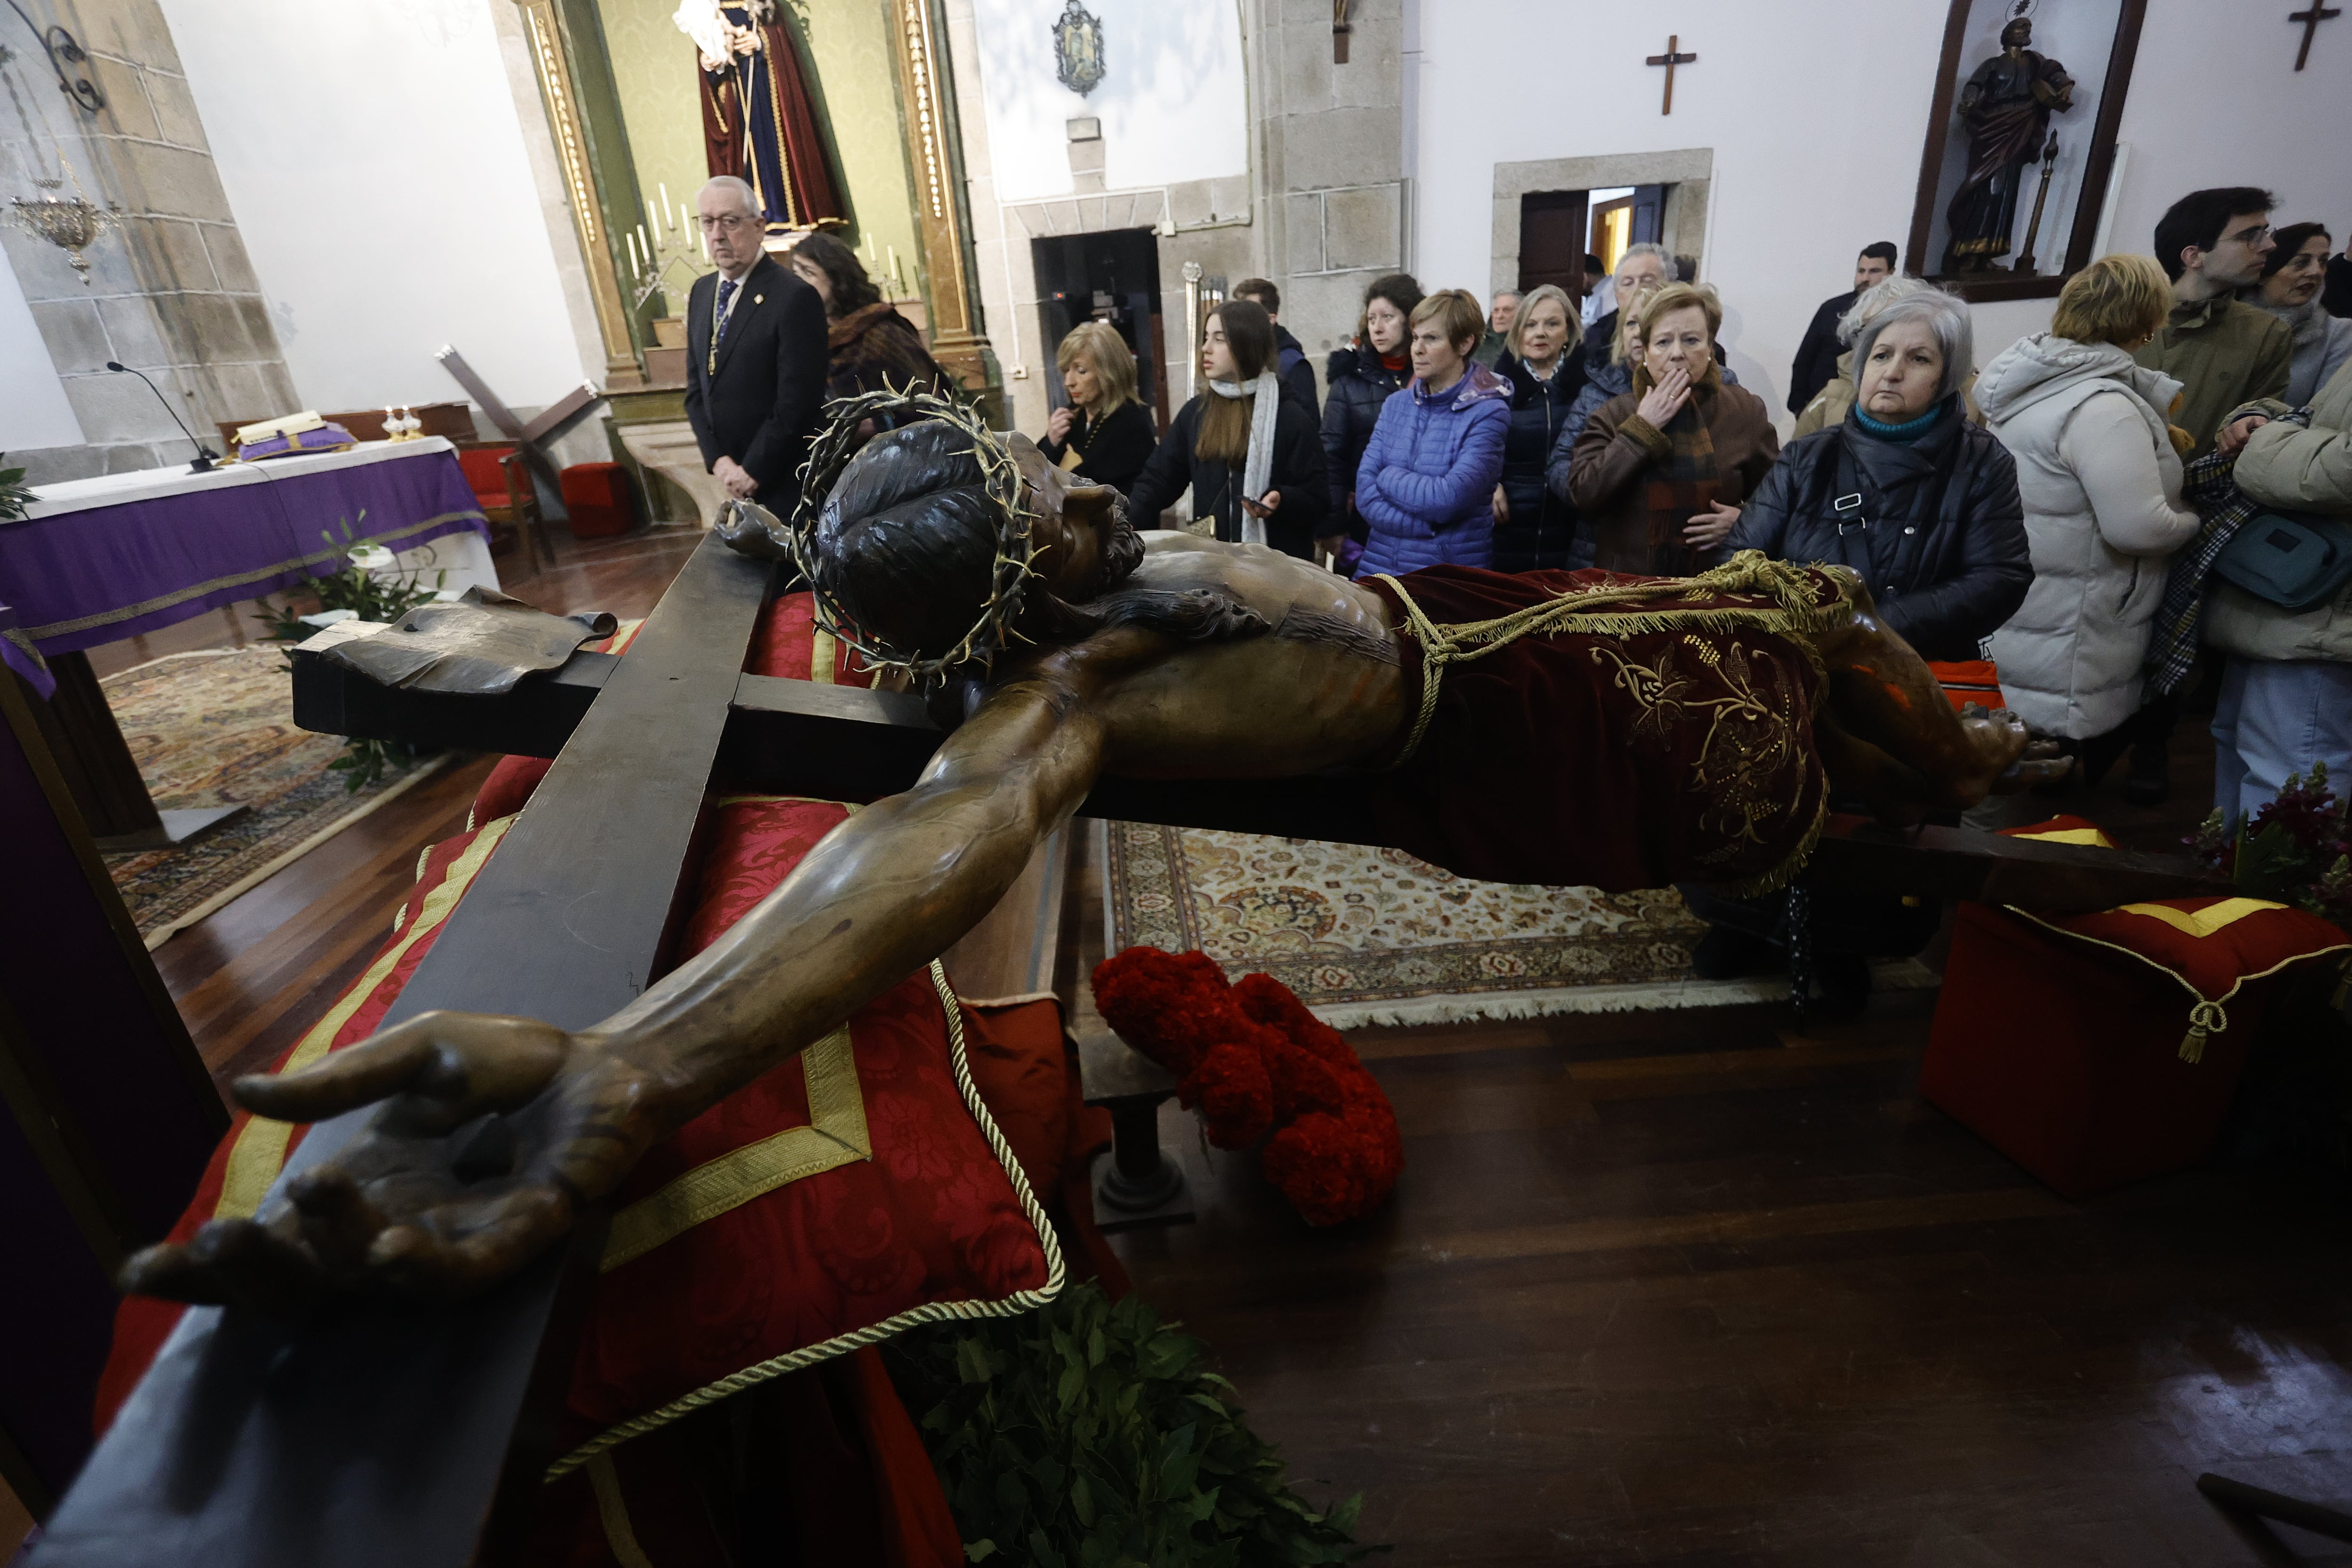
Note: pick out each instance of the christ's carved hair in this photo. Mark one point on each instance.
(907, 546)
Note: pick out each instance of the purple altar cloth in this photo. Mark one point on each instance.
(79, 578)
(16, 653)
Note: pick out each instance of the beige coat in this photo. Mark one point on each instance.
(2295, 469)
(2222, 353)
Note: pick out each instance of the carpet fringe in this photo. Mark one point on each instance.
(1895, 974)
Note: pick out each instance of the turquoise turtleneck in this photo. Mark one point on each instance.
(1902, 435)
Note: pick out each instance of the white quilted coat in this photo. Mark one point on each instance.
(2102, 491)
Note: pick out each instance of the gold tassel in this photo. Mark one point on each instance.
(2205, 1018)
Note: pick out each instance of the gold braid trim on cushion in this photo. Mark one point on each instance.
(1623, 610)
(1011, 1306)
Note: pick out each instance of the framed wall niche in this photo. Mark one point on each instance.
(2002, 252)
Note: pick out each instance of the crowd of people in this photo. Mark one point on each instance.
(2041, 510)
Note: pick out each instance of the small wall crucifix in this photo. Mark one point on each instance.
(1671, 60)
(2311, 20)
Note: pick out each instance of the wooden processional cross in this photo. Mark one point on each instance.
(376, 1435)
(1670, 59)
(2311, 20)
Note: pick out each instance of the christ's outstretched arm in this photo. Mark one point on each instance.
(882, 895)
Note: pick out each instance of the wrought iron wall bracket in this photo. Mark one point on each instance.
(64, 50)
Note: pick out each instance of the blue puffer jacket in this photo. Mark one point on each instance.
(1426, 482)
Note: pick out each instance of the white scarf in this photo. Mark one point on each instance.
(1258, 471)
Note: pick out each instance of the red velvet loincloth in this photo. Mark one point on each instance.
(1649, 742)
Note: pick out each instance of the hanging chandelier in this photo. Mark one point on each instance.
(71, 224)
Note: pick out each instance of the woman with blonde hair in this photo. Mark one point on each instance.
(1425, 483)
(1543, 361)
(1102, 434)
(1252, 458)
(1659, 471)
(2098, 467)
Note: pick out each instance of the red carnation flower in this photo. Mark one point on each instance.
(1228, 1086)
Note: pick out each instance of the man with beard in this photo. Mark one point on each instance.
(1644, 730)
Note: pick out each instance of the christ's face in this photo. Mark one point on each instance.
(2300, 279)
(1084, 545)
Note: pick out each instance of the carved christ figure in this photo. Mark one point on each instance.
(758, 123)
(1639, 731)
(2006, 108)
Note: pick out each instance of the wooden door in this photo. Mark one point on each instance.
(1551, 241)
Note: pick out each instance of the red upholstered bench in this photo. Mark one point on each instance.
(600, 499)
(2099, 1049)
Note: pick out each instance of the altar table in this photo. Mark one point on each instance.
(101, 559)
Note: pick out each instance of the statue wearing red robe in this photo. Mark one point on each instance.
(758, 123)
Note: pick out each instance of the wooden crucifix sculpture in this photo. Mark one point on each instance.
(1670, 59)
(370, 1394)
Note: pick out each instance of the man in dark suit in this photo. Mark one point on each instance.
(755, 354)
(1817, 356)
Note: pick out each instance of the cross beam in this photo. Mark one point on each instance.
(1670, 59)
(2311, 20)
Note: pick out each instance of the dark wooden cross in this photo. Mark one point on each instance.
(2311, 20)
(375, 1436)
(1670, 59)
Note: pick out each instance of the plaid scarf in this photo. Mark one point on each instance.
(1684, 483)
(2210, 485)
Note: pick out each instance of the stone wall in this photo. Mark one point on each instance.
(170, 291)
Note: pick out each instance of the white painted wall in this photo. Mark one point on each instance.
(1174, 101)
(376, 162)
(34, 412)
(1816, 113)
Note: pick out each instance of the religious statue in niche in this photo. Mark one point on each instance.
(758, 123)
(1078, 49)
(2006, 108)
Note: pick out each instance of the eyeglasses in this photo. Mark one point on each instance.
(731, 223)
(2253, 236)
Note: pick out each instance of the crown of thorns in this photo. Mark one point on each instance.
(1009, 574)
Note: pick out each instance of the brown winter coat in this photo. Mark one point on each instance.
(1619, 451)
(874, 345)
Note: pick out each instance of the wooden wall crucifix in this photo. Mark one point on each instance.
(2311, 20)
(1670, 59)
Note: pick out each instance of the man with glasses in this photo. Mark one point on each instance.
(2223, 354)
(755, 354)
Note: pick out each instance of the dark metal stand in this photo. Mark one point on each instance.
(1139, 1185)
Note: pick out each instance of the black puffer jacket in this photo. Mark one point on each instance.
(1541, 529)
(1355, 386)
(1938, 535)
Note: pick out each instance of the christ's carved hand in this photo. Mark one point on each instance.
(549, 1122)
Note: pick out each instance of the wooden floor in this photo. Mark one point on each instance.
(1663, 1287)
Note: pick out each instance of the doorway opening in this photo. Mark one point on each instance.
(1112, 275)
(1575, 238)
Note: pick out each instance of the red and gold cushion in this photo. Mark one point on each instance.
(2211, 946)
(790, 645)
(854, 1192)
(2063, 830)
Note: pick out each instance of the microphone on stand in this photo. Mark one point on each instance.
(205, 456)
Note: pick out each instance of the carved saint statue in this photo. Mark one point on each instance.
(2006, 107)
(758, 123)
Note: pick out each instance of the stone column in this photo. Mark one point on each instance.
(170, 291)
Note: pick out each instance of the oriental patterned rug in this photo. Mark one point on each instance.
(1374, 936)
(215, 727)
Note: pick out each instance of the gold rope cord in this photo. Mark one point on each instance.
(1616, 611)
(1015, 1304)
